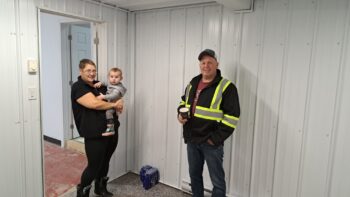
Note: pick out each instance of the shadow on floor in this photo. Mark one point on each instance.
(129, 185)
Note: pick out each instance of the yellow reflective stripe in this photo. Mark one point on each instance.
(228, 124)
(215, 94)
(187, 106)
(215, 103)
(231, 117)
(182, 103)
(188, 88)
(208, 109)
(207, 113)
(225, 86)
(230, 120)
(206, 117)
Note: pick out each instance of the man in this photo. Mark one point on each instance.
(214, 111)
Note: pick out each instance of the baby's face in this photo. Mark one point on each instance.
(114, 77)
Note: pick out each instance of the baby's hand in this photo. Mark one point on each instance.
(98, 84)
(100, 97)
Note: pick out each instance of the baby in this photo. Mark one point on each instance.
(115, 91)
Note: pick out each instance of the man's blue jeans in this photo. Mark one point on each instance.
(213, 156)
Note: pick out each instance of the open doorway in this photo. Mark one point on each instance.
(64, 41)
(76, 45)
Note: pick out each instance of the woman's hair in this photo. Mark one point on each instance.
(83, 63)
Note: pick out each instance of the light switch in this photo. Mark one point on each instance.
(32, 66)
(32, 93)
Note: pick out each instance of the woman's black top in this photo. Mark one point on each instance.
(90, 122)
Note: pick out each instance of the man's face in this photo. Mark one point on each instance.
(88, 73)
(115, 77)
(208, 66)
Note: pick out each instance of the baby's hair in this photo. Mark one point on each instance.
(115, 69)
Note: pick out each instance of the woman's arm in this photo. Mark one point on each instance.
(89, 100)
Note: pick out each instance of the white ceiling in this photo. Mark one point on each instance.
(134, 5)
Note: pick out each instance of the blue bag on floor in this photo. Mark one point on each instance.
(149, 176)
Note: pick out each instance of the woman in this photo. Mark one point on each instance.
(90, 119)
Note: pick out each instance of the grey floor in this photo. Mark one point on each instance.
(129, 185)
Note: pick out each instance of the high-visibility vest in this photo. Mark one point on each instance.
(213, 112)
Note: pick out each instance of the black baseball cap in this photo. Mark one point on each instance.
(207, 52)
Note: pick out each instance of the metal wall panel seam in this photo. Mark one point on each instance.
(139, 68)
(261, 40)
(183, 85)
(138, 120)
(32, 135)
(64, 5)
(183, 40)
(83, 7)
(220, 31)
(237, 60)
(153, 82)
(337, 104)
(308, 95)
(248, 175)
(202, 21)
(116, 40)
(282, 86)
(131, 47)
(169, 54)
(20, 95)
(237, 83)
(99, 11)
(231, 166)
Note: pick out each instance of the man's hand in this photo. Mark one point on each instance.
(209, 141)
(119, 105)
(108, 134)
(180, 119)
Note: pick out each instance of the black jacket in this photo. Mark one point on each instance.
(197, 130)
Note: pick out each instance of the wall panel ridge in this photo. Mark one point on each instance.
(325, 65)
(13, 162)
(268, 96)
(336, 146)
(339, 170)
(293, 97)
(249, 32)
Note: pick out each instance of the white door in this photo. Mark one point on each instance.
(80, 49)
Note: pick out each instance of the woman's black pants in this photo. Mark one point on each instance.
(98, 152)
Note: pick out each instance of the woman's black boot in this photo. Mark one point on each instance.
(83, 191)
(101, 187)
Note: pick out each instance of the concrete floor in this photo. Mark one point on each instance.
(129, 185)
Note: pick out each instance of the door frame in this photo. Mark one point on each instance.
(98, 27)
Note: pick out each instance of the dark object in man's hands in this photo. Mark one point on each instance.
(184, 112)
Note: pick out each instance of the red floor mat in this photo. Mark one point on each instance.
(63, 169)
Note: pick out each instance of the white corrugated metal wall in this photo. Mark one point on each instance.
(289, 60)
(20, 117)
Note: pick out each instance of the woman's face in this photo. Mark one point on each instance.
(88, 73)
